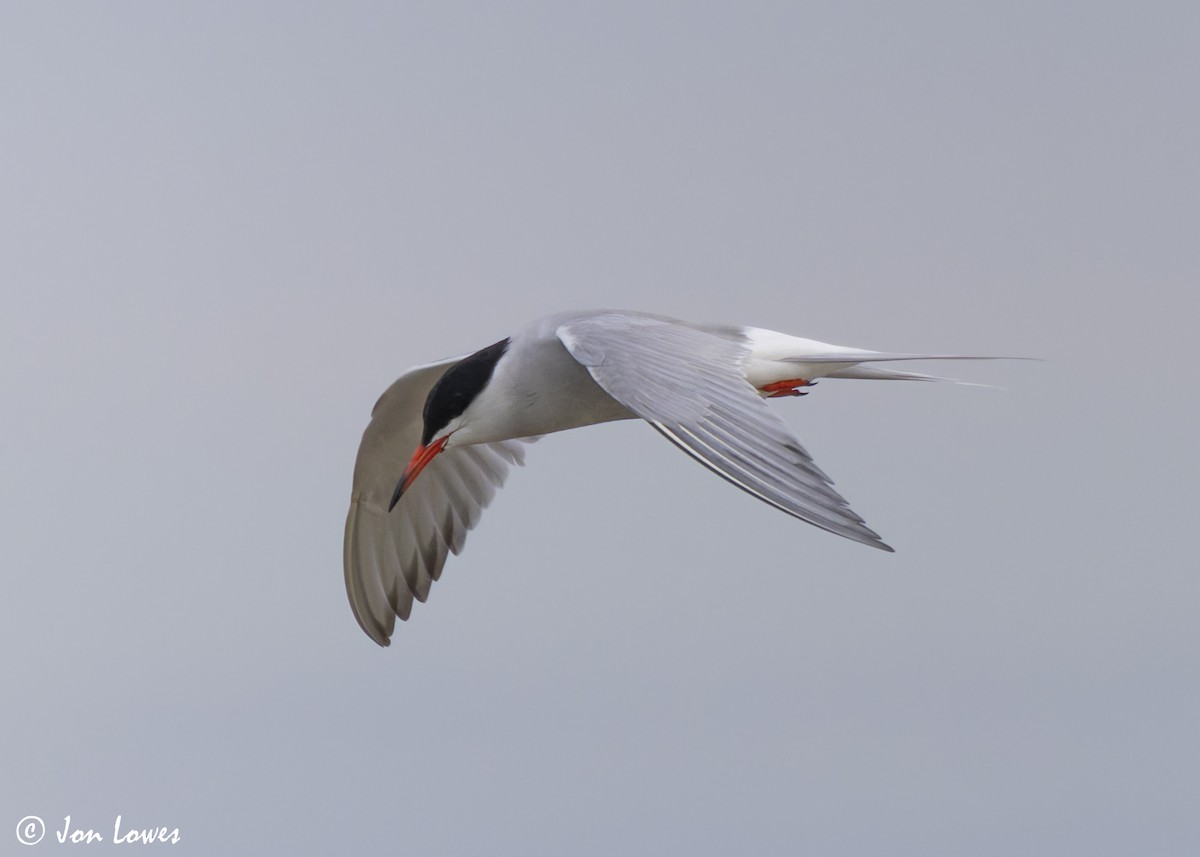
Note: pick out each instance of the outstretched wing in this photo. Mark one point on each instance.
(392, 558)
(688, 383)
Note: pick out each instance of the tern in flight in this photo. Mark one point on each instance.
(442, 437)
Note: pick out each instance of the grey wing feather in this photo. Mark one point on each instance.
(390, 559)
(689, 385)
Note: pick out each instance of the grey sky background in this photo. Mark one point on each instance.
(227, 227)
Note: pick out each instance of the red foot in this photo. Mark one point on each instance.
(779, 389)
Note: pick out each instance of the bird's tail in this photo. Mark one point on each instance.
(872, 373)
(776, 358)
(851, 363)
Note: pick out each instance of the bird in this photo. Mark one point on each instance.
(443, 436)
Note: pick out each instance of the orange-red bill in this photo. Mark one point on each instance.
(419, 461)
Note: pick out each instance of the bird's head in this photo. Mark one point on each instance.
(448, 410)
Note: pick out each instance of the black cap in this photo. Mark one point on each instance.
(458, 387)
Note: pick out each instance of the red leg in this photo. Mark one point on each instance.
(779, 389)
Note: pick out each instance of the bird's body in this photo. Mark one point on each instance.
(701, 386)
(544, 388)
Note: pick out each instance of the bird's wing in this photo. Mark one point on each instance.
(392, 558)
(689, 384)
